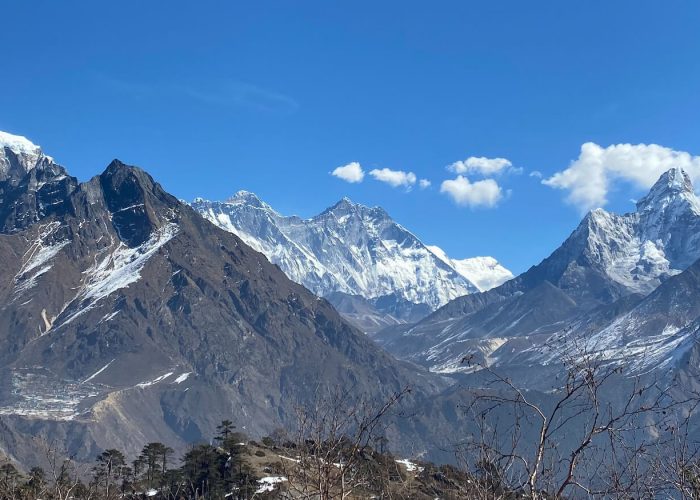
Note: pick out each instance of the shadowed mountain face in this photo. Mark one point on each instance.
(587, 287)
(125, 317)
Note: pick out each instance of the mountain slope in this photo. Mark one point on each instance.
(657, 332)
(607, 259)
(125, 316)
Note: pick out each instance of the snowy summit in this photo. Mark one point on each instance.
(352, 249)
(18, 144)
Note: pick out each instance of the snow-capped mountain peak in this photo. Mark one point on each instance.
(246, 198)
(348, 248)
(485, 272)
(674, 188)
(624, 284)
(641, 249)
(18, 144)
(18, 155)
(345, 206)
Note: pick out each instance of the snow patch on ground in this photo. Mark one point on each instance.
(182, 378)
(154, 381)
(108, 317)
(268, 483)
(37, 257)
(97, 372)
(119, 269)
(410, 466)
(47, 321)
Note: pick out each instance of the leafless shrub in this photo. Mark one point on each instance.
(597, 433)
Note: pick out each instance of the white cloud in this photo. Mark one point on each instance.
(395, 178)
(352, 172)
(483, 193)
(589, 178)
(536, 173)
(424, 183)
(481, 165)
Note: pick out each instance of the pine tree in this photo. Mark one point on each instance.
(224, 429)
(202, 469)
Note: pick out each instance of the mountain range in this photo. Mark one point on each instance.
(372, 269)
(625, 285)
(128, 316)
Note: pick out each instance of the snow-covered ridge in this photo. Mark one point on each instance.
(661, 238)
(18, 144)
(27, 155)
(348, 248)
(485, 272)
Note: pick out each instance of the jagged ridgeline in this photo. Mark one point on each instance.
(127, 317)
(372, 269)
(623, 286)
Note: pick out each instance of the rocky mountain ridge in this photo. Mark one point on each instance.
(126, 316)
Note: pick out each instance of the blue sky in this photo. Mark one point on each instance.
(213, 97)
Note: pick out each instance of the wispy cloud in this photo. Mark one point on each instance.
(239, 94)
(481, 165)
(424, 183)
(227, 93)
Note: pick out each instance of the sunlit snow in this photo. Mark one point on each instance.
(268, 483)
(120, 268)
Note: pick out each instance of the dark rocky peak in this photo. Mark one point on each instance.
(180, 328)
(32, 185)
(137, 203)
(15, 166)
